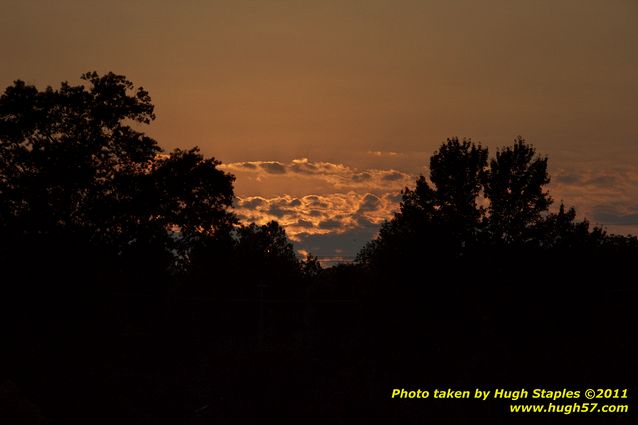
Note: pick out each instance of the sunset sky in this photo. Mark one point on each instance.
(325, 110)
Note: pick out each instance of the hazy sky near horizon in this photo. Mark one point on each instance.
(325, 110)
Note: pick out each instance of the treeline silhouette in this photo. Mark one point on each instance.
(131, 294)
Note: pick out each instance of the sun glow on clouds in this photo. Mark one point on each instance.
(331, 209)
(321, 204)
(318, 214)
(304, 176)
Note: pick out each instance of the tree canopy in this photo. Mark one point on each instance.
(74, 165)
(515, 187)
(470, 204)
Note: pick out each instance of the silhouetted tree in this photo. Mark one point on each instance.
(74, 168)
(63, 148)
(456, 171)
(266, 257)
(311, 267)
(92, 212)
(514, 187)
(561, 230)
(442, 220)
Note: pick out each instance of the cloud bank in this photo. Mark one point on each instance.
(606, 196)
(332, 210)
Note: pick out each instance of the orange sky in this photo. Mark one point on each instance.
(360, 88)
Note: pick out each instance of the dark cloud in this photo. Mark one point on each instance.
(393, 176)
(277, 211)
(610, 215)
(247, 218)
(393, 198)
(604, 181)
(304, 223)
(252, 203)
(273, 167)
(598, 178)
(363, 221)
(304, 168)
(331, 224)
(369, 203)
(315, 202)
(346, 244)
(361, 177)
(249, 165)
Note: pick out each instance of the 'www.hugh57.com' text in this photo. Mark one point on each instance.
(563, 401)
